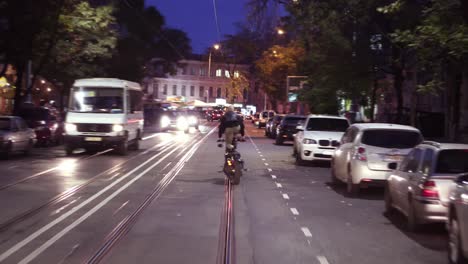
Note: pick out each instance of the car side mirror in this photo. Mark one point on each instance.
(300, 127)
(462, 179)
(393, 166)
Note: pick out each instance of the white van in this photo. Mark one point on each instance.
(264, 116)
(104, 112)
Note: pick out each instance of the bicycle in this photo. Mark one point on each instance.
(233, 163)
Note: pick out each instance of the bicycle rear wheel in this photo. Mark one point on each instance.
(237, 173)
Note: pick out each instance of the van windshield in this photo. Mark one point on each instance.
(97, 100)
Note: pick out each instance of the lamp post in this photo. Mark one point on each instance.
(216, 47)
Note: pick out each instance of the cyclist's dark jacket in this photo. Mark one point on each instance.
(229, 119)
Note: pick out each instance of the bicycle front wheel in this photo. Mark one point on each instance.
(237, 172)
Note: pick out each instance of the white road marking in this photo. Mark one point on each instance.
(286, 196)
(306, 232)
(322, 260)
(266, 164)
(263, 159)
(261, 155)
(279, 185)
(294, 211)
(350, 204)
(152, 136)
(273, 176)
(270, 170)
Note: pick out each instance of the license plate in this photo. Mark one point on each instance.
(94, 139)
(393, 158)
(327, 152)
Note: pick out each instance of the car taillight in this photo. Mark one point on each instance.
(429, 190)
(361, 154)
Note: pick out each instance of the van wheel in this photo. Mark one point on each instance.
(122, 148)
(351, 188)
(136, 144)
(413, 224)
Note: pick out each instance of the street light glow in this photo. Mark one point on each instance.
(216, 46)
(42, 81)
(280, 31)
(49, 89)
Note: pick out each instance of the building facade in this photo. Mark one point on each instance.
(201, 80)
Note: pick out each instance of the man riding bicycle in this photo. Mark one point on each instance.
(230, 125)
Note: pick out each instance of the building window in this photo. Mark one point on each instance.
(165, 89)
(192, 90)
(174, 90)
(184, 70)
(236, 74)
(202, 71)
(218, 93)
(219, 72)
(155, 89)
(201, 92)
(192, 70)
(227, 74)
(183, 90)
(211, 92)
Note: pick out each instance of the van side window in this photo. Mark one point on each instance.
(136, 101)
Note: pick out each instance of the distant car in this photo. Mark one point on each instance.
(318, 138)
(15, 136)
(366, 150)
(48, 126)
(255, 119)
(215, 115)
(263, 118)
(270, 127)
(176, 120)
(420, 186)
(457, 221)
(288, 128)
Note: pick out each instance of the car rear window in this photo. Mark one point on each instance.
(293, 120)
(397, 139)
(452, 161)
(327, 124)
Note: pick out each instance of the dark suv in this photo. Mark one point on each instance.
(287, 128)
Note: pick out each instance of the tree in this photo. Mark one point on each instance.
(275, 65)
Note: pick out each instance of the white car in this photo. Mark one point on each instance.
(366, 150)
(15, 136)
(318, 138)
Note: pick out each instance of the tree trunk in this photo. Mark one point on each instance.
(373, 100)
(19, 88)
(397, 68)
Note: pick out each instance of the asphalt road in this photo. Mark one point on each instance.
(164, 204)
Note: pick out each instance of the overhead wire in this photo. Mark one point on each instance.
(215, 10)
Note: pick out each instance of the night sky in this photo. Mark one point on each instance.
(196, 17)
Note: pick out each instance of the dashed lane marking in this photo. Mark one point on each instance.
(322, 260)
(286, 196)
(306, 232)
(266, 164)
(279, 185)
(270, 170)
(273, 176)
(263, 159)
(294, 211)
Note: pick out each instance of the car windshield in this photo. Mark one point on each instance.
(452, 161)
(5, 124)
(396, 139)
(293, 120)
(96, 100)
(327, 124)
(264, 114)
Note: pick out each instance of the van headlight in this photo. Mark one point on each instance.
(182, 123)
(69, 127)
(117, 128)
(165, 121)
(308, 141)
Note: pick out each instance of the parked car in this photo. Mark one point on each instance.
(288, 128)
(366, 150)
(420, 186)
(255, 119)
(263, 118)
(318, 138)
(215, 115)
(15, 136)
(48, 126)
(270, 127)
(457, 221)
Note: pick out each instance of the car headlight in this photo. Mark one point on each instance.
(182, 123)
(165, 121)
(117, 128)
(192, 120)
(308, 141)
(69, 127)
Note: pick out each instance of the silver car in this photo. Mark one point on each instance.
(420, 186)
(366, 150)
(15, 136)
(458, 221)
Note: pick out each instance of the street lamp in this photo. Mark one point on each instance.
(49, 89)
(216, 47)
(280, 31)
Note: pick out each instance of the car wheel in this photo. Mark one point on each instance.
(351, 188)
(388, 200)
(7, 153)
(122, 148)
(136, 144)
(266, 133)
(299, 160)
(68, 149)
(412, 223)
(455, 252)
(279, 140)
(28, 149)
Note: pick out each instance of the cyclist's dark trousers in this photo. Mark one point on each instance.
(230, 133)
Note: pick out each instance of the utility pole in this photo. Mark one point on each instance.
(28, 82)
